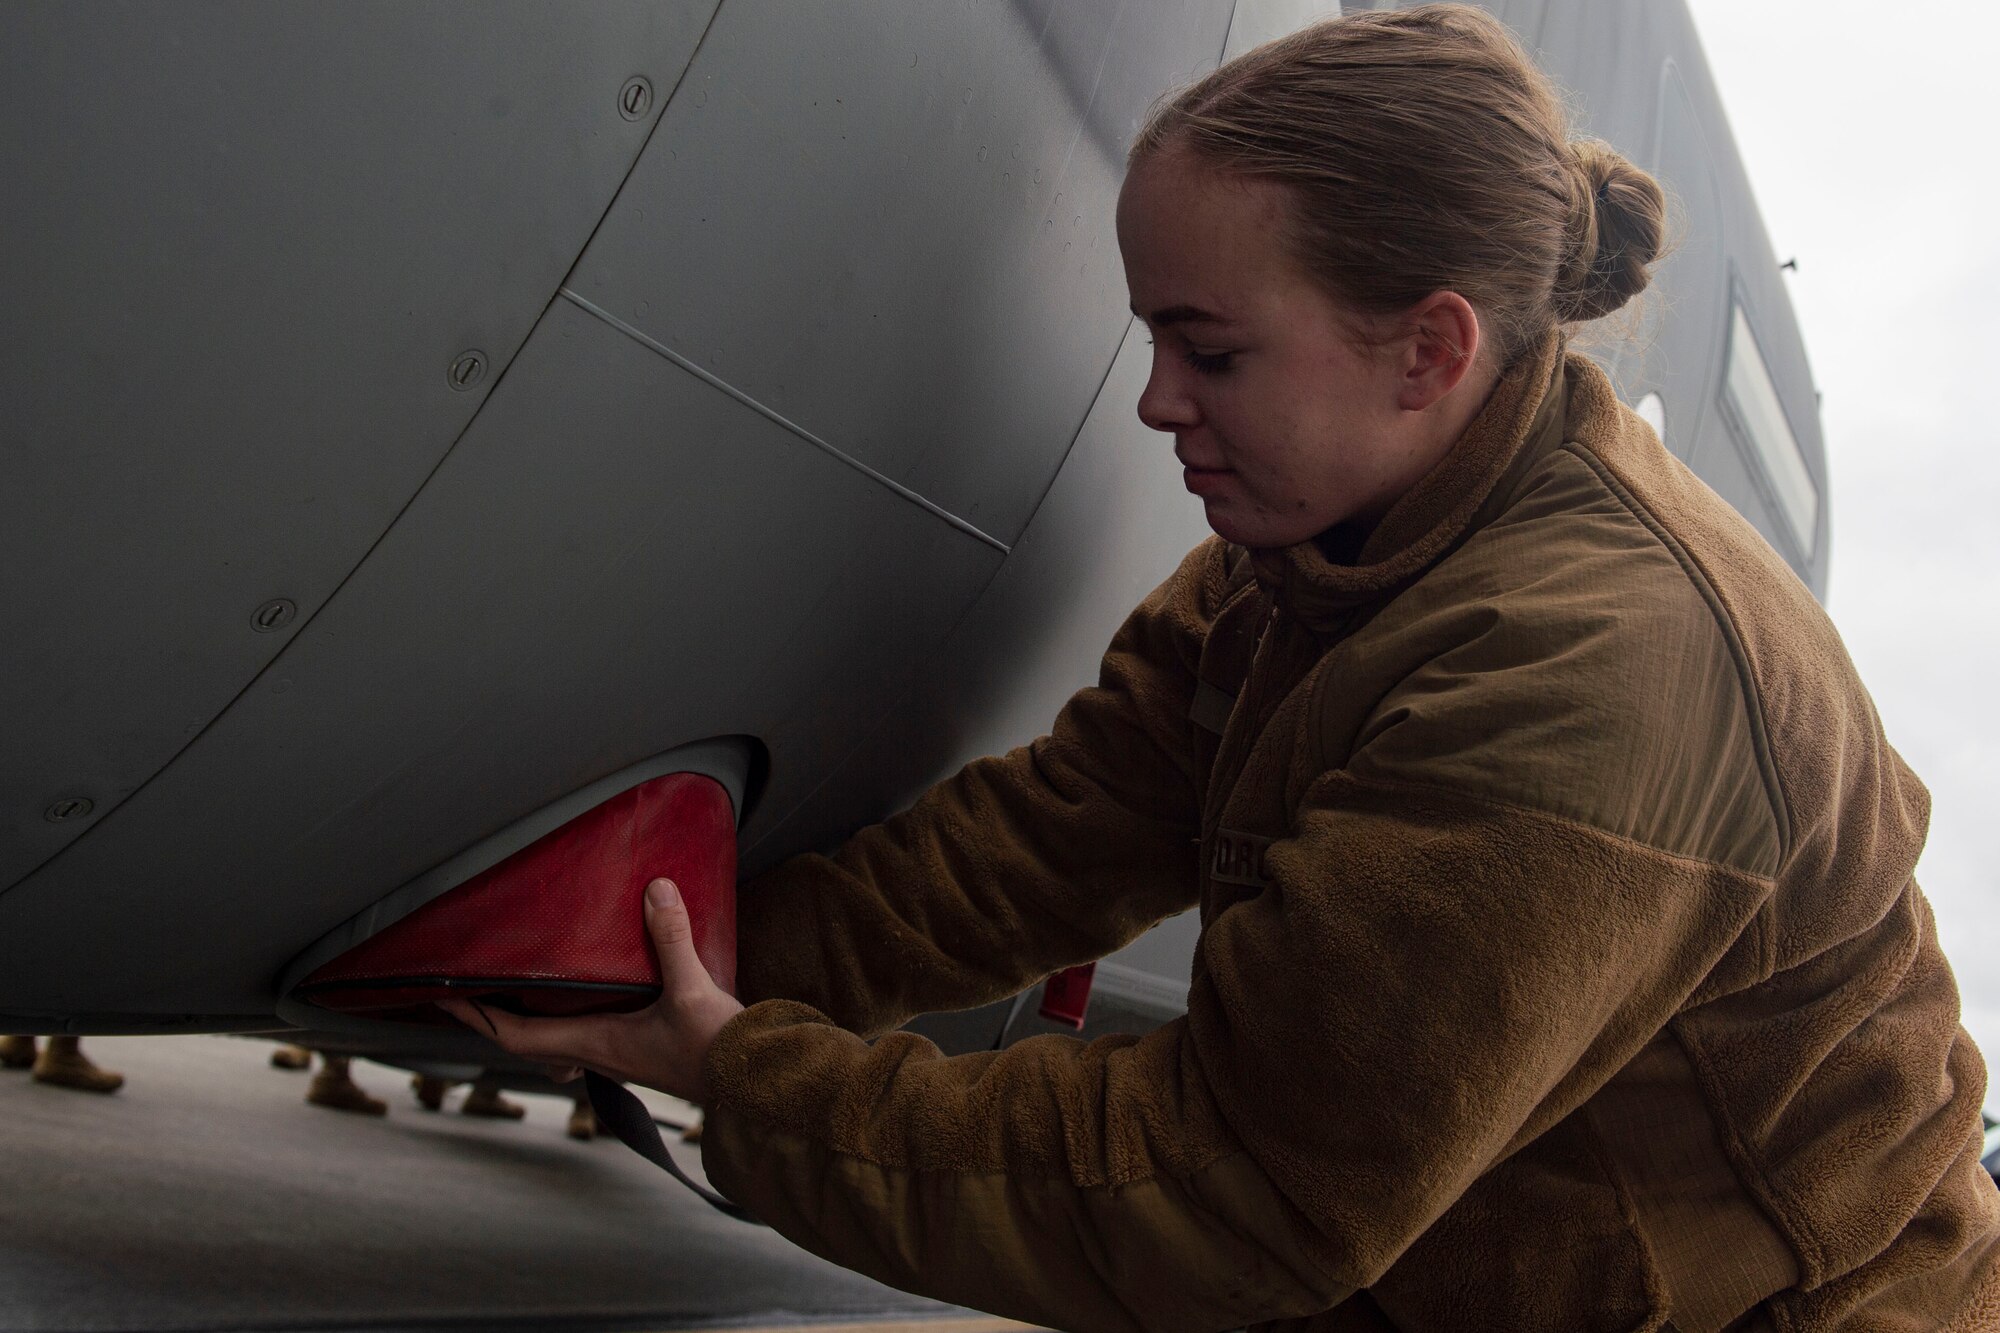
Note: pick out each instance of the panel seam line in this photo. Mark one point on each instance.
(776, 418)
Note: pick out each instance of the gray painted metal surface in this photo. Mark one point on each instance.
(625, 552)
(1114, 523)
(245, 244)
(1254, 22)
(616, 560)
(891, 224)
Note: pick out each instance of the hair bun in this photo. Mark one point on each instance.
(1617, 226)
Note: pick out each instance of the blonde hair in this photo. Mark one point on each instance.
(1425, 152)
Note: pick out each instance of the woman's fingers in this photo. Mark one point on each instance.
(682, 976)
(471, 1016)
(661, 1047)
(561, 1042)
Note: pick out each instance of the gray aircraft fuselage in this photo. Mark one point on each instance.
(422, 418)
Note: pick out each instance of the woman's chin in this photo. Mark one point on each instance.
(1221, 522)
(1255, 531)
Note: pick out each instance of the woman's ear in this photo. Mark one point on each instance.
(1441, 341)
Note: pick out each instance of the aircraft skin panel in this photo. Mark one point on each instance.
(782, 421)
(1726, 470)
(892, 225)
(246, 244)
(1116, 521)
(617, 559)
(1254, 22)
(1676, 338)
(1692, 282)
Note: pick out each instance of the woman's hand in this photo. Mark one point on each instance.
(660, 1047)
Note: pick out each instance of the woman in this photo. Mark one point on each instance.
(1561, 965)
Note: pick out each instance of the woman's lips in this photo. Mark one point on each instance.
(1205, 480)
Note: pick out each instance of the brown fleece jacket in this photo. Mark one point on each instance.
(1560, 967)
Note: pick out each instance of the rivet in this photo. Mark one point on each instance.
(73, 807)
(635, 99)
(273, 616)
(468, 370)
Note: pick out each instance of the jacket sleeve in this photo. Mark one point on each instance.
(1076, 1186)
(1429, 979)
(1053, 854)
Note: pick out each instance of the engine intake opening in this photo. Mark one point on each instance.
(559, 926)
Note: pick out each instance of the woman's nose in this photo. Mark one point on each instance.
(1165, 403)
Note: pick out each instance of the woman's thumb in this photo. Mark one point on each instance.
(673, 939)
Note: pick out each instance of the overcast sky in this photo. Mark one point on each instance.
(1867, 130)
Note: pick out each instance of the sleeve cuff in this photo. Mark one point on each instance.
(726, 1068)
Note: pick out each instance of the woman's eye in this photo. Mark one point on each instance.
(1208, 363)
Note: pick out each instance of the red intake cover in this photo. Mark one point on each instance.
(1066, 995)
(559, 926)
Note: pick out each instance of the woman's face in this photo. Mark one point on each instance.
(1285, 423)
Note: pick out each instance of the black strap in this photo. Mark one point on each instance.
(627, 1117)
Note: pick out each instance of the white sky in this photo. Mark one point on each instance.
(1867, 131)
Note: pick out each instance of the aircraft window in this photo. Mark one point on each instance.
(1652, 410)
(1760, 416)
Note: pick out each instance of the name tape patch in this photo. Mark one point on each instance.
(1238, 858)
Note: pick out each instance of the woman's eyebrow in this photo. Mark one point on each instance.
(1181, 314)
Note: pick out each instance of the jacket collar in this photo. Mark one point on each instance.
(1522, 419)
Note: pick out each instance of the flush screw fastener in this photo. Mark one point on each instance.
(468, 370)
(635, 99)
(273, 616)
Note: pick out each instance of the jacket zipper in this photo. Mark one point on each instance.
(1241, 738)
